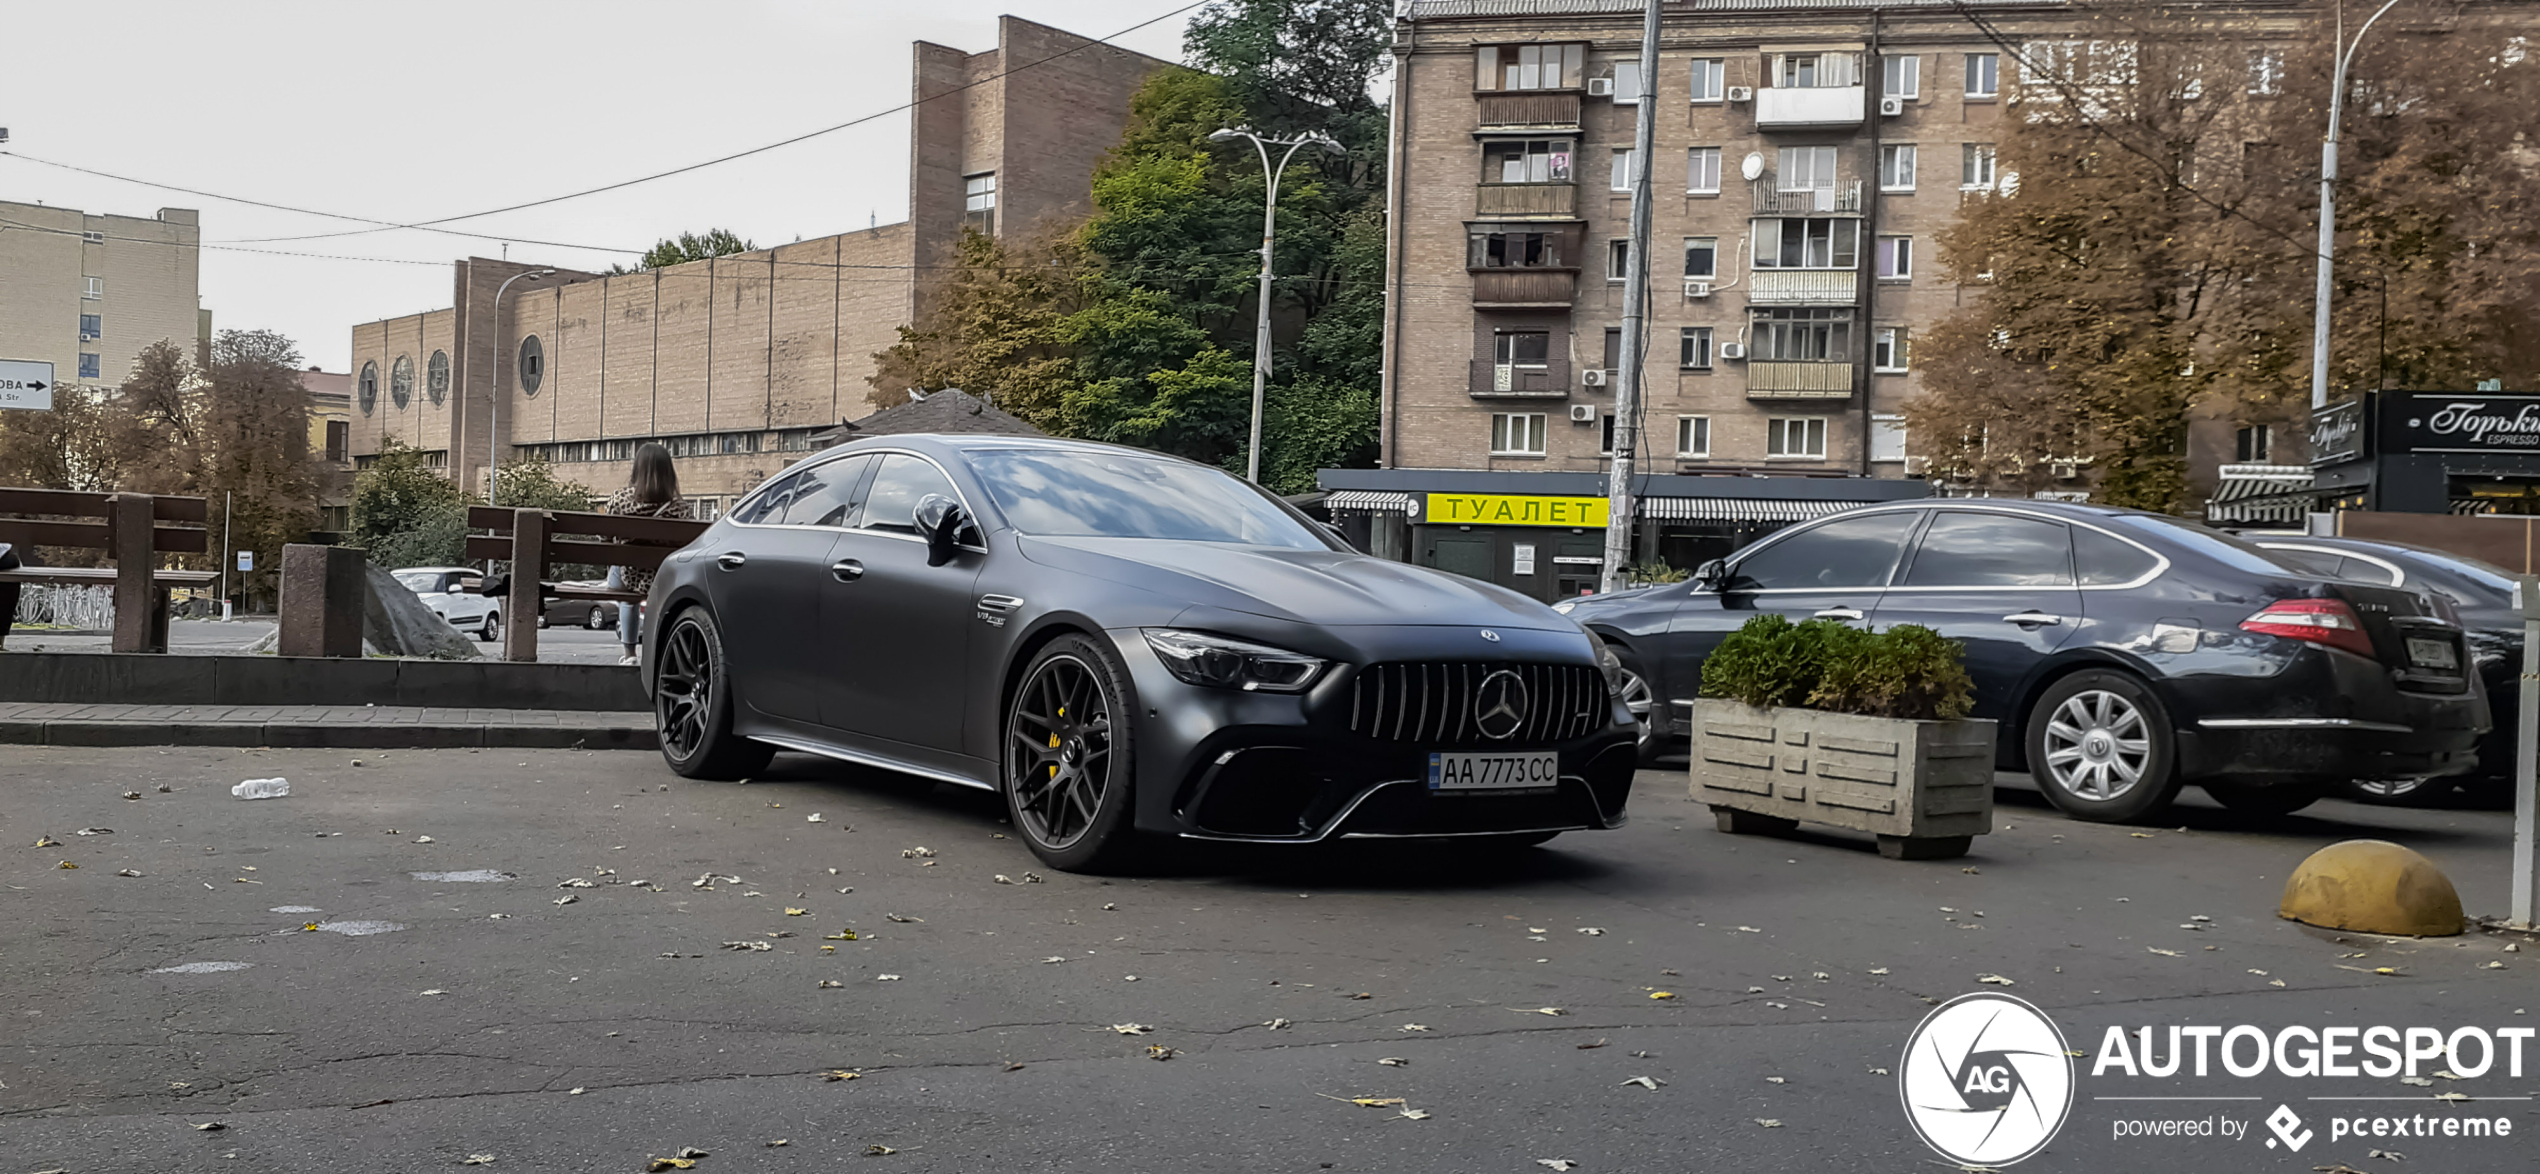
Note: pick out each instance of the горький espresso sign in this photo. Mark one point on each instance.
(2460, 423)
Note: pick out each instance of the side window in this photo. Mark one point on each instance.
(903, 481)
(768, 508)
(1966, 549)
(821, 494)
(466, 584)
(2103, 561)
(1850, 552)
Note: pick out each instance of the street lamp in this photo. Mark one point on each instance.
(2328, 203)
(494, 431)
(1269, 234)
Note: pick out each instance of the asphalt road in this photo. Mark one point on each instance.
(560, 645)
(487, 1018)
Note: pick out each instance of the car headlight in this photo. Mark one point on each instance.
(1196, 658)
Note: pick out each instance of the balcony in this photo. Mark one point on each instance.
(1788, 107)
(1797, 379)
(1517, 288)
(1827, 201)
(1801, 287)
(1542, 201)
(1530, 110)
(1549, 380)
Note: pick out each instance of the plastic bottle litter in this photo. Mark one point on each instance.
(262, 789)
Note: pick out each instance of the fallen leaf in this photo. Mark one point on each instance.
(47, 842)
(902, 920)
(657, 1165)
(776, 1143)
(477, 1160)
(66, 864)
(423, 839)
(1591, 931)
(2419, 1081)
(1748, 929)
(1012, 1066)
(129, 872)
(575, 1092)
(1131, 1028)
(828, 983)
(2489, 966)
(876, 1151)
(2386, 1155)
(814, 817)
(1394, 1062)
(1160, 1052)
(567, 899)
(212, 1126)
(1769, 1122)
(1557, 1163)
(1052, 959)
(1362, 995)
(1540, 1010)
(1031, 878)
(1591, 1047)
(1662, 994)
(835, 1075)
(886, 978)
(1375, 1102)
(2451, 1096)
(2275, 982)
(1880, 970)
(689, 1151)
(575, 883)
(1277, 1024)
(791, 911)
(1107, 907)
(1995, 979)
(844, 935)
(434, 991)
(749, 946)
(94, 832)
(1415, 1027)
(2162, 952)
(1414, 1114)
(1644, 1082)
(1776, 1080)
(2140, 835)
(137, 794)
(1002, 879)
(917, 853)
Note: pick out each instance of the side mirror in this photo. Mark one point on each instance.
(1711, 574)
(939, 521)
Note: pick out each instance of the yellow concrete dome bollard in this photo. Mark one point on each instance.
(2373, 886)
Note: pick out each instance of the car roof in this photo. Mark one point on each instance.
(968, 442)
(414, 570)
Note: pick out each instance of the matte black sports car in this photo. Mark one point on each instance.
(2481, 599)
(2123, 653)
(1121, 643)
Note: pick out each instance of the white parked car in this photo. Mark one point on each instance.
(451, 593)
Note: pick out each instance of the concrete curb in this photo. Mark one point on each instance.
(342, 736)
(93, 678)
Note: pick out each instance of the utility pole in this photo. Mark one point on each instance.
(1270, 175)
(2328, 202)
(494, 429)
(1635, 341)
(227, 556)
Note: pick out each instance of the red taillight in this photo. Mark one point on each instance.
(2320, 621)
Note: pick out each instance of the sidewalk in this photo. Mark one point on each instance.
(366, 727)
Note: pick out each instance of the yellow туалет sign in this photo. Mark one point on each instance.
(1493, 509)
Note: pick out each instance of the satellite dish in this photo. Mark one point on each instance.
(1754, 165)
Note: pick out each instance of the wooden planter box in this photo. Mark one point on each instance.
(1924, 788)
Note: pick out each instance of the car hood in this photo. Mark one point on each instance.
(1326, 588)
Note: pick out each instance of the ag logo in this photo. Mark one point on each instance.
(1985, 1080)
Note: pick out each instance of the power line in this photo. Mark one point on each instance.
(143, 240)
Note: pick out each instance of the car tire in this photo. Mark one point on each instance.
(1641, 697)
(1067, 775)
(692, 705)
(2280, 799)
(492, 629)
(596, 621)
(2101, 747)
(543, 622)
(2392, 792)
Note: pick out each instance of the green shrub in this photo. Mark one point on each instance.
(1649, 574)
(1907, 671)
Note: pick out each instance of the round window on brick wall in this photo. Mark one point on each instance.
(533, 365)
(436, 377)
(369, 387)
(401, 382)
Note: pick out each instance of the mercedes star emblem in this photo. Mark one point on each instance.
(1491, 636)
(1499, 706)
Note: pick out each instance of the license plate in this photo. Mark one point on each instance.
(2432, 654)
(1493, 772)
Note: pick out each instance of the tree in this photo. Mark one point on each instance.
(71, 446)
(406, 513)
(532, 484)
(158, 425)
(254, 453)
(688, 246)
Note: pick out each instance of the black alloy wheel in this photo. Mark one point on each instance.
(1068, 757)
(692, 705)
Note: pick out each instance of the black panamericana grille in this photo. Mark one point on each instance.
(1437, 703)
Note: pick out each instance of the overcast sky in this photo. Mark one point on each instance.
(418, 111)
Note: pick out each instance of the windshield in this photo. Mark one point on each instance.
(1058, 493)
(2216, 545)
(421, 581)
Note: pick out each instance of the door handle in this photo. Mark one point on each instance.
(846, 570)
(731, 560)
(1845, 614)
(2033, 618)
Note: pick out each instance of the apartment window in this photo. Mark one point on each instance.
(339, 440)
(1805, 335)
(1702, 256)
(1810, 243)
(1516, 434)
(1708, 74)
(1622, 170)
(1887, 437)
(401, 381)
(2255, 444)
(979, 202)
(1694, 348)
(1975, 167)
(1529, 67)
(1984, 75)
(1896, 258)
(1795, 437)
(1806, 167)
(1618, 260)
(1810, 71)
(93, 237)
(88, 365)
(91, 327)
(1514, 250)
(1613, 348)
(1526, 161)
(1896, 167)
(1627, 82)
(92, 288)
(1900, 77)
(2266, 72)
(1702, 171)
(1693, 436)
(1887, 349)
(1605, 436)
(1529, 349)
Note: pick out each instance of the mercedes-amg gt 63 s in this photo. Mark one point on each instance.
(1125, 645)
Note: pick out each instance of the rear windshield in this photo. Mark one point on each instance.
(2215, 545)
(1059, 493)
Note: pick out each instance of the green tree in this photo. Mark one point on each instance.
(255, 451)
(532, 484)
(688, 246)
(406, 513)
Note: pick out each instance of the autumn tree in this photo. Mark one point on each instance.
(70, 446)
(253, 458)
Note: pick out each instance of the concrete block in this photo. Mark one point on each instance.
(322, 600)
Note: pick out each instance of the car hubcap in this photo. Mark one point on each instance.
(596, 621)
(2097, 745)
(1636, 699)
(685, 686)
(1059, 752)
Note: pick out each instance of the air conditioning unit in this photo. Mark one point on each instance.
(1732, 350)
(1583, 413)
(1891, 107)
(1600, 87)
(1741, 93)
(1593, 377)
(2065, 470)
(1696, 287)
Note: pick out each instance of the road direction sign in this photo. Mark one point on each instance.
(26, 384)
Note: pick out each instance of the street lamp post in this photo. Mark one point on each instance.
(2328, 203)
(494, 430)
(1269, 235)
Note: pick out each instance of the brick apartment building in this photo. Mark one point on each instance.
(85, 292)
(739, 362)
(1807, 155)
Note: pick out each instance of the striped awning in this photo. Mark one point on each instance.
(2261, 493)
(1380, 501)
(1740, 509)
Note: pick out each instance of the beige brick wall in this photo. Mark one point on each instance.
(151, 270)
